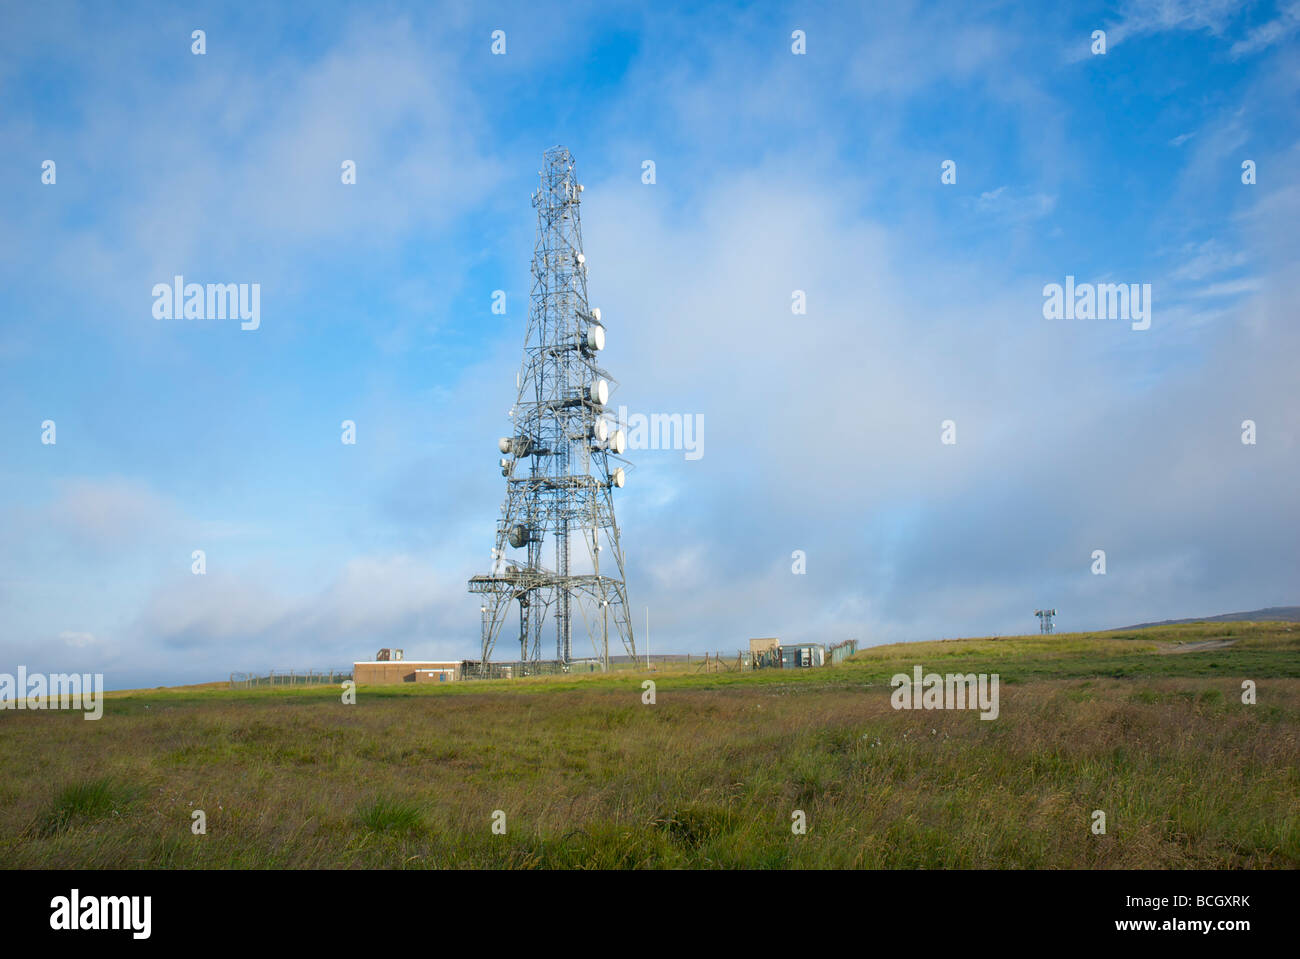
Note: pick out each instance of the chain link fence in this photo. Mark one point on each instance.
(290, 677)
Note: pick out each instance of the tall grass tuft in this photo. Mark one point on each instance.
(86, 800)
(391, 815)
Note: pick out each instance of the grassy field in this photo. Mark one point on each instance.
(708, 776)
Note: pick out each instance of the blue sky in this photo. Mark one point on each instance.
(775, 172)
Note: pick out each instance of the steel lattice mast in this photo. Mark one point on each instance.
(561, 461)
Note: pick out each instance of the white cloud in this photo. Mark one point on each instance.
(1014, 206)
(822, 429)
(78, 640)
(1141, 17)
(243, 162)
(1208, 259)
(113, 513)
(1267, 34)
(250, 618)
(1233, 288)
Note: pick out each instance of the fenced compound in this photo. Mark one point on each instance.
(292, 677)
(477, 669)
(469, 669)
(797, 655)
(716, 663)
(774, 657)
(841, 651)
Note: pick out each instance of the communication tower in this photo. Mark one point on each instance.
(562, 458)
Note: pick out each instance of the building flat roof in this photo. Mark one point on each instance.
(417, 663)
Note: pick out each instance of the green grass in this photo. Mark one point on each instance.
(1262, 650)
(82, 801)
(589, 777)
(390, 815)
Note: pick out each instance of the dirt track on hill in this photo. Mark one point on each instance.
(1197, 647)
